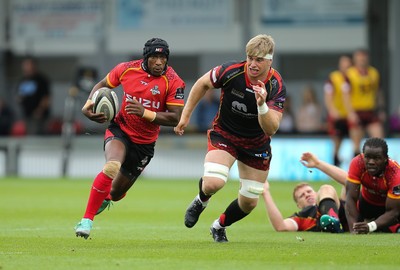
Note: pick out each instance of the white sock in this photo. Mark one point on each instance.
(216, 224)
(203, 203)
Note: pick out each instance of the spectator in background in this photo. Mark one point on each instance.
(288, 123)
(6, 118)
(337, 113)
(361, 97)
(33, 95)
(206, 111)
(309, 116)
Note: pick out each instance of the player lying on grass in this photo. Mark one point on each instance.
(372, 191)
(320, 210)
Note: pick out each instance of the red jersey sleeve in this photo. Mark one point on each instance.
(113, 77)
(176, 88)
(355, 170)
(392, 176)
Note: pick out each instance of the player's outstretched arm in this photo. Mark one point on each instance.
(310, 160)
(275, 216)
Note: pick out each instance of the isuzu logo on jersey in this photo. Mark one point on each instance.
(145, 102)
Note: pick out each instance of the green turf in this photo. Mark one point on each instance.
(145, 231)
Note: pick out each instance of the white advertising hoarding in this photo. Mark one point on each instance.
(43, 26)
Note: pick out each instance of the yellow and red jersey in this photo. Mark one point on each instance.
(363, 87)
(334, 86)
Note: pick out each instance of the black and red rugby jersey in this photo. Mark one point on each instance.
(238, 113)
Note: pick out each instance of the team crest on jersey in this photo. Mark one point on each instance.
(155, 91)
(274, 82)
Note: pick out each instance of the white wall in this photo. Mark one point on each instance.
(175, 158)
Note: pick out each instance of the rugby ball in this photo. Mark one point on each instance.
(105, 101)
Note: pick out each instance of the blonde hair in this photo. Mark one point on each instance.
(297, 187)
(260, 46)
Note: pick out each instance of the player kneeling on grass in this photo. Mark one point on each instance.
(251, 105)
(373, 190)
(153, 96)
(319, 211)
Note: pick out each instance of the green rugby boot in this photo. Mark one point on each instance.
(330, 224)
(83, 228)
(104, 205)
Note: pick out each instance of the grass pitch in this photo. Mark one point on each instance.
(145, 231)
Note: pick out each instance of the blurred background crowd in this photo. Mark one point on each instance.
(62, 47)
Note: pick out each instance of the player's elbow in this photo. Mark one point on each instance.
(281, 229)
(270, 130)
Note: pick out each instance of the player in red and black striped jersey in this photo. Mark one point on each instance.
(373, 190)
(153, 96)
(251, 105)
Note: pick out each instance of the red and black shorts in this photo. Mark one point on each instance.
(370, 211)
(365, 118)
(255, 156)
(338, 127)
(137, 156)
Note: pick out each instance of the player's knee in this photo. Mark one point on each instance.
(328, 192)
(216, 170)
(327, 189)
(251, 189)
(116, 196)
(211, 186)
(111, 168)
(214, 178)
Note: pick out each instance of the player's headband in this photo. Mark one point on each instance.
(268, 56)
